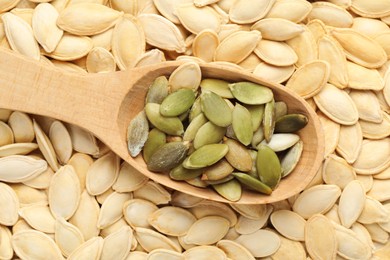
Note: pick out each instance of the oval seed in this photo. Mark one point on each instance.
(250, 242)
(290, 123)
(281, 142)
(169, 125)
(111, 210)
(218, 86)
(336, 170)
(351, 204)
(156, 139)
(208, 133)
(252, 183)
(188, 15)
(177, 102)
(276, 53)
(277, 29)
(137, 212)
(150, 240)
(304, 45)
(67, 236)
(91, 248)
(39, 217)
(46, 147)
(230, 190)
(350, 141)
(217, 227)
(9, 201)
(19, 168)
(268, 166)
(289, 224)
(205, 156)
(168, 156)
(251, 93)
(269, 120)
(157, 91)
(61, 141)
(215, 109)
(369, 163)
(298, 10)
(291, 159)
(367, 105)
(234, 250)
(208, 252)
(188, 75)
(22, 127)
(238, 156)
(242, 124)
(244, 11)
(100, 60)
(180, 173)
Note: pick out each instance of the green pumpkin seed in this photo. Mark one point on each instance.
(242, 124)
(257, 112)
(291, 159)
(169, 125)
(217, 171)
(177, 102)
(251, 93)
(253, 171)
(252, 183)
(194, 126)
(280, 109)
(230, 190)
(268, 166)
(137, 133)
(208, 134)
(216, 109)
(157, 91)
(258, 136)
(168, 156)
(197, 182)
(195, 110)
(218, 86)
(205, 156)
(269, 120)
(225, 179)
(238, 155)
(290, 123)
(180, 173)
(156, 138)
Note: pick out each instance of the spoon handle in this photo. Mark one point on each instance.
(91, 101)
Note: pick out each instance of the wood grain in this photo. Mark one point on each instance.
(105, 104)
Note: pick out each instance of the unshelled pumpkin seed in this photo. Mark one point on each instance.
(168, 156)
(137, 133)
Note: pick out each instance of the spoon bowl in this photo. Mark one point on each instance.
(105, 103)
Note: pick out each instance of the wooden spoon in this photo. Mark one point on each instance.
(105, 103)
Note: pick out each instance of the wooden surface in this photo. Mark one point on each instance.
(105, 104)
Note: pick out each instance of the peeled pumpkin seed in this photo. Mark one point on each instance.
(273, 73)
(242, 124)
(117, 245)
(320, 238)
(39, 217)
(260, 250)
(268, 166)
(243, 12)
(127, 32)
(168, 125)
(215, 109)
(177, 102)
(150, 240)
(168, 37)
(276, 53)
(66, 51)
(208, 133)
(204, 45)
(316, 200)
(238, 156)
(137, 212)
(67, 236)
(217, 171)
(137, 133)
(17, 149)
(277, 29)
(188, 15)
(9, 201)
(44, 26)
(298, 10)
(337, 105)
(336, 170)
(310, 78)
(61, 141)
(161, 220)
(251, 93)
(100, 60)
(291, 158)
(355, 43)
(218, 86)
(351, 204)
(256, 113)
(205, 156)
(168, 156)
(290, 123)
(237, 46)
(330, 51)
(187, 75)
(20, 36)
(22, 127)
(216, 226)
(43, 245)
(87, 18)
(18, 168)
(65, 181)
(367, 9)
(91, 248)
(111, 209)
(369, 163)
(102, 174)
(269, 120)
(195, 124)
(331, 15)
(363, 78)
(304, 45)
(231, 190)
(252, 183)
(157, 91)
(280, 109)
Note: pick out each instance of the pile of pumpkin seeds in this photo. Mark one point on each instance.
(334, 53)
(216, 133)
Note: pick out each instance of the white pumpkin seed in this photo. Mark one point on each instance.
(6, 250)
(276, 53)
(204, 253)
(67, 236)
(298, 10)
(369, 163)
(246, 226)
(289, 224)
(71, 47)
(39, 217)
(304, 45)
(367, 105)
(81, 163)
(188, 15)
(273, 73)
(250, 242)
(363, 78)
(217, 227)
(373, 212)
(350, 142)
(379, 190)
(22, 127)
(10, 203)
(111, 209)
(212, 208)
(29, 196)
(137, 212)
(234, 250)
(129, 179)
(19, 168)
(153, 192)
(277, 29)
(82, 140)
(100, 60)
(187, 75)
(331, 14)
(337, 171)
(117, 245)
(61, 141)
(150, 57)
(150, 240)
(351, 204)
(90, 249)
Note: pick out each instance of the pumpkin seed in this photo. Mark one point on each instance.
(61, 141)
(218, 86)
(137, 133)
(238, 156)
(291, 158)
(351, 204)
(215, 109)
(208, 133)
(277, 29)
(204, 45)
(337, 171)
(9, 201)
(363, 78)
(177, 102)
(137, 212)
(187, 75)
(273, 73)
(290, 123)
(153, 192)
(150, 240)
(22, 127)
(281, 142)
(217, 171)
(180, 173)
(269, 120)
(194, 126)
(304, 45)
(100, 60)
(168, 125)
(19, 168)
(217, 228)
(188, 15)
(276, 53)
(157, 91)
(331, 15)
(208, 252)
(17, 149)
(168, 156)
(367, 105)
(260, 250)
(374, 130)
(90, 248)
(366, 9)
(251, 93)
(367, 162)
(156, 138)
(289, 224)
(268, 166)
(298, 10)
(243, 12)
(65, 50)
(5, 243)
(230, 190)
(205, 156)
(234, 250)
(252, 183)
(67, 236)
(39, 217)
(350, 142)
(242, 124)
(111, 210)
(45, 146)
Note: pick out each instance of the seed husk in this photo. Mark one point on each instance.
(137, 133)
(188, 75)
(218, 86)
(157, 91)
(290, 123)
(268, 166)
(251, 93)
(242, 124)
(177, 102)
(180, 173)
(230, 190)
(156, 138)
(252, 182)
(238, 155)
(205, 156)
(208, 133)
(169, 125)
(269, 120)
(216, 109)
(168, 156)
